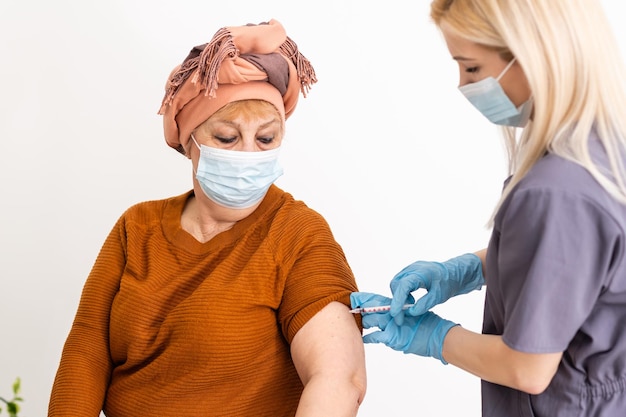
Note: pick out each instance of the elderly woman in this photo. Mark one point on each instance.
(230, 299)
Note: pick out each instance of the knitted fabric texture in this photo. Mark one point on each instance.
(169, 326)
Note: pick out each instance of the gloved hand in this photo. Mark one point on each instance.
(456, 276)
(422, 335)
(368, 299)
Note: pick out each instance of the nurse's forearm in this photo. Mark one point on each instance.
(489, 358)
(482, 254)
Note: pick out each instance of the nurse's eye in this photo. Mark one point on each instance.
(471, 70)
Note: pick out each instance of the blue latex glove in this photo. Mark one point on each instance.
(442, 280)
(422, 335)
(368, 299)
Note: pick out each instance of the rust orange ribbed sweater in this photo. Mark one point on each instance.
(168, 326)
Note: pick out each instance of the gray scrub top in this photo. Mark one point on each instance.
(556, 282)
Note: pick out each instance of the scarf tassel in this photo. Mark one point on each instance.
(220, 48)
(207, 63)
(305, 70)
(176, 80)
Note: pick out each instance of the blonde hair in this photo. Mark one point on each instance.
(575, 72)
(248, 109)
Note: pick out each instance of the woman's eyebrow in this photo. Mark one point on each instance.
(271, 122)
(461, 58)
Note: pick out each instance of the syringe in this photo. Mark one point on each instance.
(377, 309)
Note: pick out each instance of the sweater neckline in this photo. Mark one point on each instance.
(177, 236)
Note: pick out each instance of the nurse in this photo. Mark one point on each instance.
(554, 340)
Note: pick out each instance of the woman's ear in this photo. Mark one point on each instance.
(185, 152)
(181, 150)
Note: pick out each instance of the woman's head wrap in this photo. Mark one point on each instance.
(239, 63)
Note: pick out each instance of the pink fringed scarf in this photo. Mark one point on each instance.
(234, 65)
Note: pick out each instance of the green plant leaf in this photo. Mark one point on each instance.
(13, 408)
(16, 385)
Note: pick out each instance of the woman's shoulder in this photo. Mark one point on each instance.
(156, 206)
(294, 210)
(558, 172)
(564, 182)
(554, 173)
(295, 217)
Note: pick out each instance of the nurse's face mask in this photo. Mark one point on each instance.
(236, 179)
(490, 99)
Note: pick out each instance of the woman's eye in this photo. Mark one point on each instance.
(225, 140)
(265, 140)
(471, 69)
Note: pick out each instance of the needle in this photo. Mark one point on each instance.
(377, 309)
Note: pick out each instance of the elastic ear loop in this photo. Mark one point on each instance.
(504, 70)
(194, 141)
(195, 172)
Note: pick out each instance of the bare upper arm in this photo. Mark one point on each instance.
(329, 343)
(531, 372)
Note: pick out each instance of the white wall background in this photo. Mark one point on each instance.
(385, 147)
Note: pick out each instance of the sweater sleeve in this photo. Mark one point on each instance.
(82, 377)
(316, 270)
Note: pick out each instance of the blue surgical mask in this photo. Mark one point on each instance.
(490, 99)
(236, 179)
